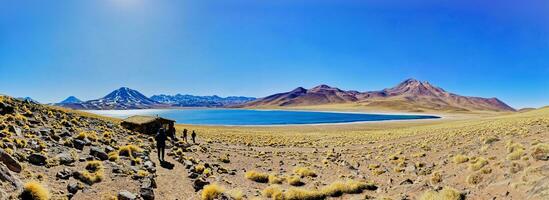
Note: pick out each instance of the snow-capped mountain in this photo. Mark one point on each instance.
(120, 99)
(181, 100)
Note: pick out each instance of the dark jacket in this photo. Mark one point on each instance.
(161, 138)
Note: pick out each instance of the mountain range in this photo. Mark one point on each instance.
(181, 100)
(126, 98)
(409, 95)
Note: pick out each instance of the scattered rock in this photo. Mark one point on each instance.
(6, 176)
(72, 187)
(65, 173)
(65, 158)
(193, 175)
(9, 161)
(97, 152)
(125, 195)
(37, 159)
(109, 149)
(198, 184)
(6, 108)
(78, 144)
(146, 193)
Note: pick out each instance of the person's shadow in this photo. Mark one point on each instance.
(166, 164)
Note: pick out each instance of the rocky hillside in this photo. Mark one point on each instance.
(410, 95)
(46, 153)
(186, 100)
(122, 98)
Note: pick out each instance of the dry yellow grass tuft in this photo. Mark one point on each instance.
(274, 179)
(540, 151)
(273, 192)
(474, 179)
(347, 187)
(478, 163)
(257, 176)
(302, 194)
(295, 181)
(460, 158)
(304, 172)
(128, 150)
(35, 191)
(94, 165)
(447, 193)
(212, 191)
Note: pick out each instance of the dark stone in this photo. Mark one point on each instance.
(97, 152)
(198, 184)
(65, 158)
(65, 134)
(109, 149)
(9, 161)
(6, 108)
(78, 144)
(6, 176)
(146, 193)
(72, 187)
(193, 175)
(37, 159)
(65, 173)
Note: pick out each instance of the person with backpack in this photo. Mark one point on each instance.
(161, 138)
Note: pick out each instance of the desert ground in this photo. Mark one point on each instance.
(462, 156)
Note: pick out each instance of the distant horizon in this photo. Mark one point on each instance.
(52, 50)
(150, 95)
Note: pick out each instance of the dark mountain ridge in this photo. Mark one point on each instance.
(408, 95)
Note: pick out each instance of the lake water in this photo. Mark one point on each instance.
(256, 117)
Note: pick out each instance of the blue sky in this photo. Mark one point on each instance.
(52, 49)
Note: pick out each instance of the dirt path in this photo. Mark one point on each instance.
(172, 183)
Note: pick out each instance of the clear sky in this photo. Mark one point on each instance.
(491, 48)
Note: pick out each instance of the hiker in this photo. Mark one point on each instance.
(161, 143)
(171, 134)
(185, 135)
(193, 135)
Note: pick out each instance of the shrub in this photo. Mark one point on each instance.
(113, 155)
(540, 151)
(35, 191)
(295, 181)
(198, 169)
(447, 193)
(273, 179)
(257, 176)
(348, 187)
(474, 179)
(89, 177)
(458, 159)
(436, 178)
(94, 165)
(304, 172)
(128, 150)
(478, 164)
(273, 192)
(212, 191)
(141, 174)
(302, 194)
